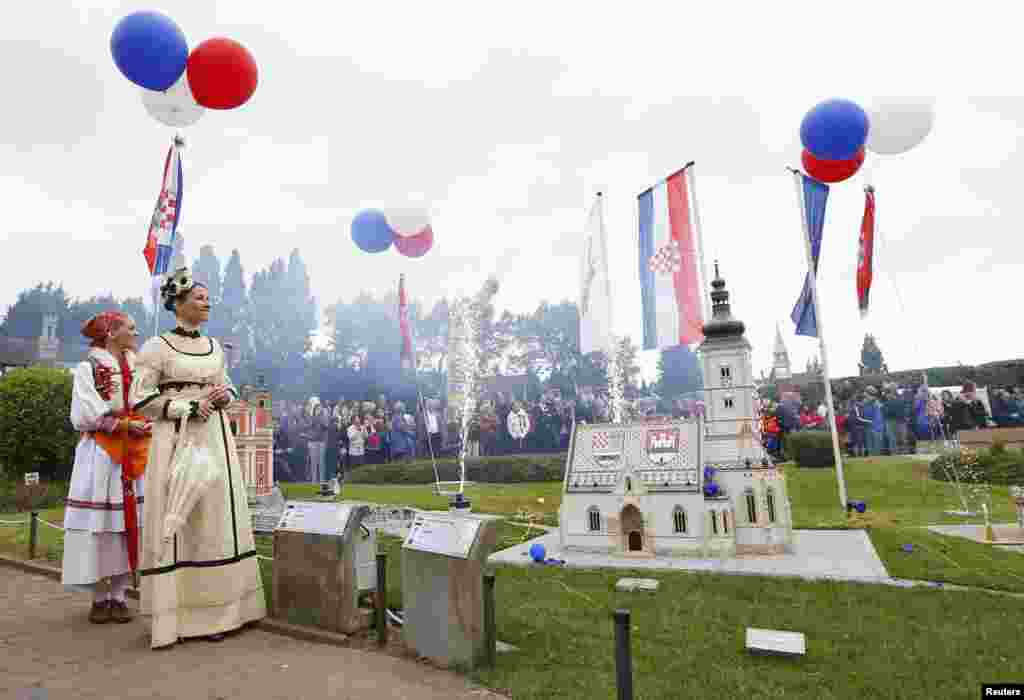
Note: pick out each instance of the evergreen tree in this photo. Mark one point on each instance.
(207, 271)
(234, 303)
(678, 372)
(24, 319)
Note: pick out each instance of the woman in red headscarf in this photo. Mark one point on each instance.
(103, 505)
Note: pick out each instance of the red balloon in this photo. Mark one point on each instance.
(832, 170)
(222, 74)
(415, 246)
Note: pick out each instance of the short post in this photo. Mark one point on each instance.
(623, 659)
(490, 633)
(33, 533)
(382, 615)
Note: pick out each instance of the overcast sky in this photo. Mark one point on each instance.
(505, 119)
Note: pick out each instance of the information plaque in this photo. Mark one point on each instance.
(440, 533)
(315, 518)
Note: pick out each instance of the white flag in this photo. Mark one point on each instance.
(595, 286)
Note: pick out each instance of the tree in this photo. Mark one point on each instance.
(207, 271)
(547, 339)
(231, 313)
(24, 319)
(35, 433)
(678, 372)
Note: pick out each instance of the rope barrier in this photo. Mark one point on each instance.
(13, 522)
(260, 556)
(55, 527)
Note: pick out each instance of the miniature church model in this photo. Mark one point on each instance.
(253, 427)
(700, 487)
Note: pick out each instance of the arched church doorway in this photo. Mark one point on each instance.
(633, 527)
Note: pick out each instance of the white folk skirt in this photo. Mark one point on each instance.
(95, 546)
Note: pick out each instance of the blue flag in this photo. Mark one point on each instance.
(813, 199)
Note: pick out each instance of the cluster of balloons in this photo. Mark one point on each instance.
(178, 86)
(837, 133)
(410, 231)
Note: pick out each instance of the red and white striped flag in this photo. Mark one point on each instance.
(865, 255)
(403, 323)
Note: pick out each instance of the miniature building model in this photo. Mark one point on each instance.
(697, 487)
(252, 423)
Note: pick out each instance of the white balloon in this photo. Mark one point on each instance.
(176, 107)
(407, 222)
(898, 124)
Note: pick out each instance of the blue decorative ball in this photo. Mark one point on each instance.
(834, 130)
(908, 548)
(537, 552)
(371, 232)
(150, 50)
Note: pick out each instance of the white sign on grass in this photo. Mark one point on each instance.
(315, 518)
(449, 535)
(31, 478)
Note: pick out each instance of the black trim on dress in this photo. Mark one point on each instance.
(156, 571)
(231, 485)
(145, 401)
(190, 354)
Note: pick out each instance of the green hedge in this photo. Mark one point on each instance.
(810, 448)
(505, 469)
(35, 429)
(998, 466)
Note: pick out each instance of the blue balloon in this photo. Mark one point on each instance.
(537, 552)
(150, 49)
(834, 130)
(371, 232)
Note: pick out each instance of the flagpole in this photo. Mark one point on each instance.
(700, 239)
(812, 271)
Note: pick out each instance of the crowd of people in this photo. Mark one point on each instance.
(891, 420)
(318, 440)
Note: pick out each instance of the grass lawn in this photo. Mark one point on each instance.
(864, 641)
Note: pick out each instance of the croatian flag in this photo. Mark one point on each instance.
(669, 284)
(865, 256)
(162, 227)
(813, 198)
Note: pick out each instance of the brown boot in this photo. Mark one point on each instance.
(120, 612)
(100, 613)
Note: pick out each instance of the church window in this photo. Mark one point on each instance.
(593, 519)
(725, 522)
(771, 505)
(726, 373)
(678, 520)
(728, 402)
(714, 522)
(751, 506)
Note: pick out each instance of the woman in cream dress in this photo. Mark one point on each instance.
(204, 581)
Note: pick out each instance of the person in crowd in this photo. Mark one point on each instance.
(205, 580)
(921, 420)
(976, 409)
(858, 426)
(317, 443)
(356, 442)
(894, 408)
(874, 432)
(488, 429)
(403, 434)
(432, 420)
(331, 444)
(96, 532)
(382, 427)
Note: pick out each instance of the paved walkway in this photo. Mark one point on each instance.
(844, 555)
(50, 651)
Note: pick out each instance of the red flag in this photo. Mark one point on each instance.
(403, 323)
(865, 255)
